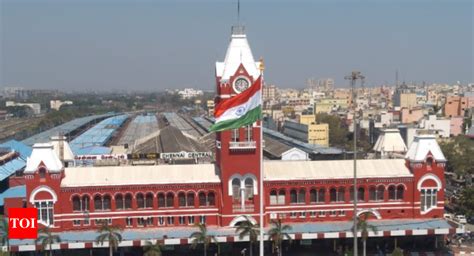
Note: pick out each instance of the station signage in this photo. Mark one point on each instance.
(185, 155)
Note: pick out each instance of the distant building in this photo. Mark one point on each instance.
(36, 107)
(404, 97)
(56, 104)
(189, 93)
(210, 107)
(455, 106)
(409, 116)
(440, 127)
(312, 133)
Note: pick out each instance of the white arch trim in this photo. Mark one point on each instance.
(41, 189)
(373, 211)
(242, 182)
(429, 176)
(241, 218)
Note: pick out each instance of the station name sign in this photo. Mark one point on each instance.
(185, 155)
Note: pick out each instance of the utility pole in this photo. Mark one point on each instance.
(353, 77)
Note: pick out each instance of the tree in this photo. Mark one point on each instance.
(364, 226)
(46, 238)
(112, 234)
(202, 237)
(338, 134)
(466, 202)
(397, 252)
(4, 234)
(278, 233)
(152, 249)
(459, 154)
(247, 228)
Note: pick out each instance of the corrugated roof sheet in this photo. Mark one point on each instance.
(13, 192)
(20, 147)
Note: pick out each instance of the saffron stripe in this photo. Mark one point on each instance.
(237, 100)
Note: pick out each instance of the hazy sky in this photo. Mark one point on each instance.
(137, 44)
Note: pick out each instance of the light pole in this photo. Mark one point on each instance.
(353, 77)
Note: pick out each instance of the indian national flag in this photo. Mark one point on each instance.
(240, 110)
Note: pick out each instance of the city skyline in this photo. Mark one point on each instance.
(157, 45)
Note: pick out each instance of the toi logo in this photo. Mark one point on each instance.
(22, 223)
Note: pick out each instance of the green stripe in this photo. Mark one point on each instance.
(249, 118)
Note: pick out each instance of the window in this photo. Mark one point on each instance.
(211, 198)
(181, 220)
(190, 199)
(169, 199)
(248, 189)
(249, 132)
(313, 196)
(281, 196)
(361, 194)
(372, 194)
(76, 204)
(392, 194)
(293, 196)
(149, 221)
(190, 220)
(302, 215)
(202, 219)
(98, 203)
(161, 200)
(128, 201)
(400, 190)
(273, 197)
(342, 213)
(340, 195)
(140, 222)
(429, 162)
(87, 222)
(140, 201)
(312, 214)
(119, 203)
(170, 220)
(129, 222)
(322, 213)
(293, 214)
(161, 221)
(428, 199)
(202, 199)
(380, 192)
(235, 135)
(42, 173)
(107, 202)
(85, 203)
(76, 222)
(333, 195)
(236, 189)
(302, 196)
(149, 200)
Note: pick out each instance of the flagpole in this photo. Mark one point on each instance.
(261, 67)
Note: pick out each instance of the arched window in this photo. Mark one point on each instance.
(161, 200)
(351, 193)
(98, 203)
(321, 195)
(249, 189)
(340, 194)
(42, 173)
(380, 191)
(140, 201)
(372, 194)
(392, 195)
(302, 196)
(333, 195)
(202, 199)
(211, 198)
(107, 202)
(119, 204)
(128, 201)
(273, 197)
(293, 196)
(236, 189)
(190, 199)
(361, 194)
(85, 203)
(429, 161)
(281, 196)
(76, 204)
(149, 200)
(181, 199)
(400, 190)
(313, 196)
(169, 199)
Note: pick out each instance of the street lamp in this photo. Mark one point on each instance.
(353, 77)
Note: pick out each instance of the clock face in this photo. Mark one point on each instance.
(241, 84)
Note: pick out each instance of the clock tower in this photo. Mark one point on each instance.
(238, 150)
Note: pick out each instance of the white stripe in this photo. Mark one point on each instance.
(230, 113)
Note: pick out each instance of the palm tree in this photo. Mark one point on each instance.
(278, 233)
(47, 239)
(203, 237)
(152, 249)
(247, 228)
(110, 234)
(364, 226)
(4, 234)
